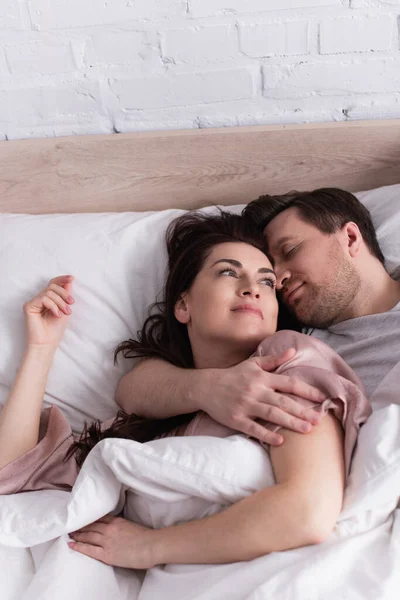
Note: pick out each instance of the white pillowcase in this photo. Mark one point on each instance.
(119, 262)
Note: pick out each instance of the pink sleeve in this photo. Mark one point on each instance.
(42, 468)
(317, 364)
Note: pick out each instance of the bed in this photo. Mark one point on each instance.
(97, 207)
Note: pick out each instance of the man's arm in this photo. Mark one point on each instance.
(235, 397)
(156, 389)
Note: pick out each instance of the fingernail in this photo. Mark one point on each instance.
(306, 427)
(70, 299)
(68, 310)
(279, 440)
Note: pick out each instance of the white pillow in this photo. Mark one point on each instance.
(119, 261)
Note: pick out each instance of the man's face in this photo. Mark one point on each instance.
(315, 275)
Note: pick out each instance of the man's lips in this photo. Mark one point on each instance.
(293, 293)
(248, 308)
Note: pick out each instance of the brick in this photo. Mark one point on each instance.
(203, 8)
(118, 48)
(10, 15)
(356, 35)
(38, 57)
(36, 104)
(185, 89)
(196, 45)
(280, 39)
(332, 79)
(52, 14)
(373, 3)
(75, 126)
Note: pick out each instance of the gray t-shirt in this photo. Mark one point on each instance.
(370, 345)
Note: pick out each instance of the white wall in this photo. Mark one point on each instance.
(95, 66)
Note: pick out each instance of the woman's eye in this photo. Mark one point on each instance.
(229, 272)
(269, 281)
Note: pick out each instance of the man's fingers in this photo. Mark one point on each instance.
(292, 385)
(288, 421)
(262, 434)
(270, 363)
(286, 406)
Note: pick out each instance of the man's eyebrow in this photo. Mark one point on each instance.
(239, 265)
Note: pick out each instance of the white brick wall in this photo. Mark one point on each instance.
(94, 66)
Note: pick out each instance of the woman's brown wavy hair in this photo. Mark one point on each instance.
(190, 239)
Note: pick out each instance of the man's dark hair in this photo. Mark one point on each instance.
(328, 209)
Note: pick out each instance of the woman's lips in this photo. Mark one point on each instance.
(249, 309)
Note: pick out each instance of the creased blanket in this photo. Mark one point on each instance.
(174, 479)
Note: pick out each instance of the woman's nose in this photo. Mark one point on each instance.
(251, 289)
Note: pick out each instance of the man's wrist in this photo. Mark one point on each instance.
(199, 389)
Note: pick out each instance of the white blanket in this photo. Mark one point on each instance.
(176, 479)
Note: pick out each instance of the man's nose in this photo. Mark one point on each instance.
(281, 278)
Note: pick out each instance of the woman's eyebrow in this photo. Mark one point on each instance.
(265, 270)
(231, 261)
(239, 265)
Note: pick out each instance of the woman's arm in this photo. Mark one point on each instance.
(46, 317)
(301, 509)
(20, 417)
(235, 397)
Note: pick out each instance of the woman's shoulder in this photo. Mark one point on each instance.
(310, 352)
(284, 339)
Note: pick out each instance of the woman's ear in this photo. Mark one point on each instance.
(181, 311)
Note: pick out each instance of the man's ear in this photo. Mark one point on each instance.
(181, 311)
(353, 238)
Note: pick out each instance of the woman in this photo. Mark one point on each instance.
(220, 304)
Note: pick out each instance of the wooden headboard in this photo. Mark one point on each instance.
(193, 168)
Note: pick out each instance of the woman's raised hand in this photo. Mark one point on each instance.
(47, 314)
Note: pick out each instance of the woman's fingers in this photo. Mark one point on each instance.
(51, 306)
(95, 552)
(63, 293)
(62, 305)
(87, 537)
(62, 279)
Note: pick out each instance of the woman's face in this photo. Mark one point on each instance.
(231, 306)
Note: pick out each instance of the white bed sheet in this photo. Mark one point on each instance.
(168, 480)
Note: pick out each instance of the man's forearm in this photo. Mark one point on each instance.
(156, 389)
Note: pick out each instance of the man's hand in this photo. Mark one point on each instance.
(237, 396)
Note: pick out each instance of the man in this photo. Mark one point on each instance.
(331, 275)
